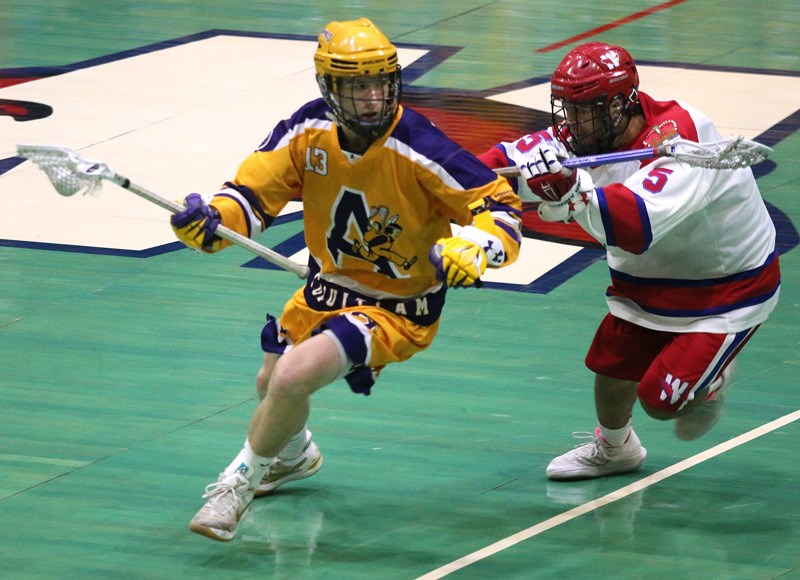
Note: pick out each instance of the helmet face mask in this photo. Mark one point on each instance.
(364, 104)
(590, 127)
(359, 76)
(594, 92)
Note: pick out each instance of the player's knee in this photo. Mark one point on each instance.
(655, 400)
(264, 374)
(656, 412)
(288, 381)
(262, 381)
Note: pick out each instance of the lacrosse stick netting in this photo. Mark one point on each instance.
(60, 164)
(70, 174)
(735, 153)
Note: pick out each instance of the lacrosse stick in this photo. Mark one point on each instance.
(734, 153)
(70, 174)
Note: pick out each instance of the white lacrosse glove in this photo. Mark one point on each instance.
(573, 202)
(564, 192)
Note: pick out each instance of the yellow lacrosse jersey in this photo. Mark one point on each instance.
(369, 224)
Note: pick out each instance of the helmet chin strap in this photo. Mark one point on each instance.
(629, 127)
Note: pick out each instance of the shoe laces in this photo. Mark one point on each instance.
(235, 486)
(584, 435)
(596, 445)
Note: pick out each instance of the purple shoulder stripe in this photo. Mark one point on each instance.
(316, 109)
(424, 137)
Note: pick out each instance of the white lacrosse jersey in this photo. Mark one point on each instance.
(689, 249)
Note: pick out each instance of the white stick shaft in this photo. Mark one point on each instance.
(714, 155)
(270, 255)
(594, 160)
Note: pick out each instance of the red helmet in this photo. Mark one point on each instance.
(595, 70)
(595, 74)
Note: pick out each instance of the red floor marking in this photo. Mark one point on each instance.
(611, 25)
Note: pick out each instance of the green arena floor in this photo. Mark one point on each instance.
(127, 362)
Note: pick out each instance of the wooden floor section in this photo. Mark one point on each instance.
(127, 363)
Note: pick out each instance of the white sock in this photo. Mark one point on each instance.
(252, 466)
(296, 445)
(616, 437)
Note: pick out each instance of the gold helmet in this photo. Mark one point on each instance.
(353, 48)
(350, 56)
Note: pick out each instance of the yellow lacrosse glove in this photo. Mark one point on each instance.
(195, 226)
(459, 262)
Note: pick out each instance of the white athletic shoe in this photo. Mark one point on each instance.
(281, 472)
(597, 459)
(706, 414)
(228, 500)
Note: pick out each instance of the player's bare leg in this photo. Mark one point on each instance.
(614, 400)
(295, 377)
(279, 446)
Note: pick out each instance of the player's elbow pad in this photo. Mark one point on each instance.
(489, 243)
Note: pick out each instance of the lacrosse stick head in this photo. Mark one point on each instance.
(734, 153)
(67, 171)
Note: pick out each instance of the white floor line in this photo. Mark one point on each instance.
(610, 498)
